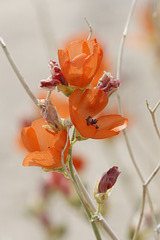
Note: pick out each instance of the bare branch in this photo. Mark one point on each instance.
(119, 64)
(155, 8)
(17, 72)
(152, 112)
(145, 185)
(121, 48)
(90, 29)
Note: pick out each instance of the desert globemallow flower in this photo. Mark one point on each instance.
(85, 106)
(44, 146)
(80, 61)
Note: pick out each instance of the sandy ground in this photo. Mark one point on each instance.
(33, 30)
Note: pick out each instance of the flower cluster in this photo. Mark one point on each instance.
(47, 137)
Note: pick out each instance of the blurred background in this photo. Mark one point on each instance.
(33, 31)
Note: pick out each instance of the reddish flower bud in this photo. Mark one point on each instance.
(108, 180)
(55, 79)
(108, 84)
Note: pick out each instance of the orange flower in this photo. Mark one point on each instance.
(86, 105)
(79, 62)
(44, 146)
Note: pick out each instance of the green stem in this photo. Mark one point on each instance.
(94, 226)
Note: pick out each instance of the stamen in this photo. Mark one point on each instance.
(91, 121)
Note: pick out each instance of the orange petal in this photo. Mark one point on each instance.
(80, 124)
(29, 139)
(85, 48)
(47, 159)
(50, 158)
(80, 61)
(109, 126)
(60, 140)
(76, 69)
(36, 138)
(64, 61)
(74, 49)
(92, 62)
(90, 103)
(104, 65)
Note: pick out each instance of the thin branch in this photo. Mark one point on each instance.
(155, 8)
(121, 48)
(152, 112)
(48, 95)
(17, 72)
(152, 175)
(145, 185)
(90, 29)
(119, 64)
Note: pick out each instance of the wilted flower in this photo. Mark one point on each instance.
(55, 79)
(50, 114)
(108, 84)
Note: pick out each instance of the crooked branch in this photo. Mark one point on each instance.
(152, 112)
(145, 185)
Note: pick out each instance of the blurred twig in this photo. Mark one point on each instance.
(145, 185)
(152, 112)
(90, 29)
(17, 72)
(119, 64)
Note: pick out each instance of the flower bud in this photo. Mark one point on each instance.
(55, 79)
(104, 187)
(108, 84)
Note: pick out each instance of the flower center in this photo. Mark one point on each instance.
(91, 121)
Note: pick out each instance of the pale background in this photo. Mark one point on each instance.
(33, 30)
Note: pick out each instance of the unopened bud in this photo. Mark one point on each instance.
(108, 84)
(104, 187)
(55, 79)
